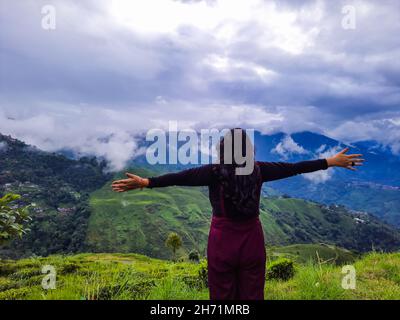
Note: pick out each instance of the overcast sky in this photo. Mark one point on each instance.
(113, 68)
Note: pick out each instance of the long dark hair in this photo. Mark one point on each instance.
(241, 190)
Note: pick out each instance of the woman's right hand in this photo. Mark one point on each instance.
(133, 182)
(348, 161)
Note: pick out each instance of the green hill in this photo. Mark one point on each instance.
(381, 200)
(139, 221)
(134, 276)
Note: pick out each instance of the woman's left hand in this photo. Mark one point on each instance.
(348, 161)
(133, 182)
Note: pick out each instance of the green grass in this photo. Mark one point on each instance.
(303, 253)
(134, 276)
(377, 278)
(102, 276)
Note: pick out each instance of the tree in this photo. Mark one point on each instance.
(12, 219)
(174, 242)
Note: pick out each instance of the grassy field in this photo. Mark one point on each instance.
(134, 276)
(304, 253)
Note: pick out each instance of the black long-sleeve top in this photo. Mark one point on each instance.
(204, 176)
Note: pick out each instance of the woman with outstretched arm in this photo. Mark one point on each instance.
(236, 250)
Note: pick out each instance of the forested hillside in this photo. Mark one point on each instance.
(57, 188)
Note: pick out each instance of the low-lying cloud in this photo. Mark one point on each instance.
(288, 147)
(322, 175)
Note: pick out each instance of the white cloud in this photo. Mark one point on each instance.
(322, 176)
(386, 131)
(321, 148)
(225, 68)
(3, 146)
(223, 19)
(287, 147)
(110, 133)
(87, 132)
(322, 152)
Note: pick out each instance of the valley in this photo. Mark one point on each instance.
(74, 210)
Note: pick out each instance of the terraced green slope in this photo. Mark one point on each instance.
(139, 221)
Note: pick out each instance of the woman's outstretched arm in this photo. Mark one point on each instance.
(280, 170)
(200, 176)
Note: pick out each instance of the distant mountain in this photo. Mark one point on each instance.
(374, 188)
(381, 165)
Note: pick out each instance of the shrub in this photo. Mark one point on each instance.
(194, 255)
(142, 288)
(69, 267)
(13, 220)
(281, 269)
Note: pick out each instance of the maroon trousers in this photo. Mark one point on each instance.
(236, 259)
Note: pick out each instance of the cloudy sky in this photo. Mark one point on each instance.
(114, 68)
